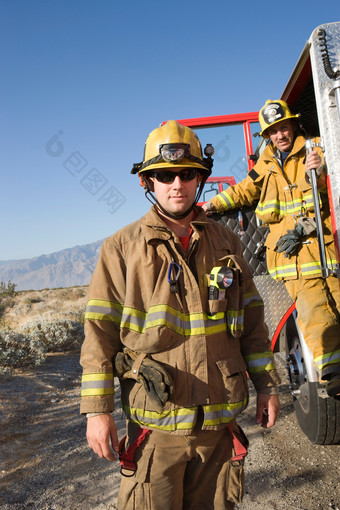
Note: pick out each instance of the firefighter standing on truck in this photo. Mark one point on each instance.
(280, 182)
(181, 357)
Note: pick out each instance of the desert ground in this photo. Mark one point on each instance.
(45, 463)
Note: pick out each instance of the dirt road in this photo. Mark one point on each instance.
(45, 463)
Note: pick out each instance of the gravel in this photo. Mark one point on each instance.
(45, 462)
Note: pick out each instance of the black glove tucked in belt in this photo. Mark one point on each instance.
(135, 365)
(290, 242)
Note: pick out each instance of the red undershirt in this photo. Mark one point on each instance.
(185, 240)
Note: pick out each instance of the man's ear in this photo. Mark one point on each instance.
(199, 178)
(150, 183)
(146, 183)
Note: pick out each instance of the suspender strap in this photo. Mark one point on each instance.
(240, 443)
(127, 457)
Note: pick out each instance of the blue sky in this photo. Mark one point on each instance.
(84, 82)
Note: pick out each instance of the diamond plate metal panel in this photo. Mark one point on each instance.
(276, 300)
(249, 233)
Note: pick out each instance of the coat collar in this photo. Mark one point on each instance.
(155, 228)
(269, 152)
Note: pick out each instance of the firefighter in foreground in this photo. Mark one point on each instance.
(174, 313)
(280, 182)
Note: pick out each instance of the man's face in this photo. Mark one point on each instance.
(176, 197)
(282, 135)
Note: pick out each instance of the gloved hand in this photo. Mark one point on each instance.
(156, 381)
(290, 241)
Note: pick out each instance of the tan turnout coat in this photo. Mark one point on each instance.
(130, 304)
(283, 195)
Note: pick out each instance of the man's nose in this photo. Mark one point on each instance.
(177, 182)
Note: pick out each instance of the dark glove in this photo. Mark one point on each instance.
(135, 365)
(290, 242)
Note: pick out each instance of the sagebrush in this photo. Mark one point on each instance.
(29, 345)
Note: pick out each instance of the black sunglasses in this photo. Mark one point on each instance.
(187, 174)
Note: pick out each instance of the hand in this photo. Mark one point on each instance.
(267, 411)
(313, 160)
(101, 429)
(208, 208)
(290, 242)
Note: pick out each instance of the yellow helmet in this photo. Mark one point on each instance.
(272, 113)
(173, 144)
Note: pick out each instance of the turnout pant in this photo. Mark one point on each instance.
(175, 472)
(318, 306)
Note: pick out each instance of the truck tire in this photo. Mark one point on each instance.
(318, 415)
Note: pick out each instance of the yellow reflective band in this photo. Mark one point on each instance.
(97, 392)
(263, 368)
(103, 302)
(283, 271)
(311, 268)
(234, 320)
(259, 355)
(98, 376)
(163, 315)
(252, 299)
(329, 358)
(226, 200)
(103, 310)
(285, 208)
(174, 419)
(260, 362)
(218, 414)
(97, 384)
(185, 418)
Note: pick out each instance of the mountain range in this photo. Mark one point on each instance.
(65, 268)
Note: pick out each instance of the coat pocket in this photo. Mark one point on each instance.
(135, 491)
(233, 379)
(235, 483)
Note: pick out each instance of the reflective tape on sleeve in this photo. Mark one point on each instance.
(97, 384)
(329, 358)
(226, 200)
(314, 268)
(260, 362)
(102, 310)
(252, 299)
(221, 414)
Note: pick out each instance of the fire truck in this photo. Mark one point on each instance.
(313, 90)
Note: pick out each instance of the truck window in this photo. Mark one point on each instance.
(230, 156)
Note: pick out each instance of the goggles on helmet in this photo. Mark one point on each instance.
(171, 152)
(174, 153)
(167, 177)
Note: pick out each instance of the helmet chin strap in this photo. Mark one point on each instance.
(151, 197)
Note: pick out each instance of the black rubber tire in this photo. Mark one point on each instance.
(318, 416)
